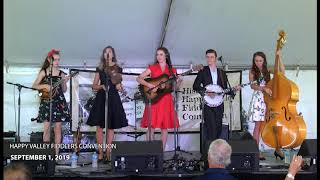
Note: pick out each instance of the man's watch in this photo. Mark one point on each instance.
(290, 176)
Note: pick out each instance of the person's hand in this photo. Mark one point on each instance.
(237, 88)
(119, 87)
(211, 94)
(45, 86)
(180, 78)
(104, 87)
(150, 86)
(66, 79)
(267, 90)
(295, 165)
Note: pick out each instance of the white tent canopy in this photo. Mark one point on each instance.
(81, 29)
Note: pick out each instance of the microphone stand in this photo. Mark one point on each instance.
(230, 98)
(177, 163)
(177, 148)
(176, 129)
(202, 131)
(19, 105)
(136, 135)
(106, 103)
(149, 120)
(50, 100)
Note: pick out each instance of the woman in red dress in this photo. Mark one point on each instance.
(162, 111)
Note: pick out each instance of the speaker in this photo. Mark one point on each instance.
(9, 136)
(38, 157)
(308, 150)
(240, 135)
(204, 143)
(245, 155)
(137, 156)
(37, 137)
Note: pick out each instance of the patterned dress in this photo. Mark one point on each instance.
(60, 110)
(162, 112)
(257, 105)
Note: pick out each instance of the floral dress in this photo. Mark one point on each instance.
(60, 110)
(257, 107)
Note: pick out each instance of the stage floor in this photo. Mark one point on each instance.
(269, 169)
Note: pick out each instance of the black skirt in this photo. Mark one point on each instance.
(116, 115)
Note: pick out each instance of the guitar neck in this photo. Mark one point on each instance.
(241, 85)
(61, 81)
(57, 84)
(186, 73)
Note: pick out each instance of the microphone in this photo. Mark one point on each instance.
(51, 59)
(297, 73)
(220, 58)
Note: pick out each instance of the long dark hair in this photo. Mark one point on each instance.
(46, 62)
(103, 63)
(168, 58)
(255, 70)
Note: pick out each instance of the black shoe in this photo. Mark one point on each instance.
(278, 155)
(262, 158)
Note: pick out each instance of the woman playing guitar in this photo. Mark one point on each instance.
(162, 111)
(60, 111)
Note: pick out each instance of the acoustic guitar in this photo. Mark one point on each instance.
(163, 85)
(45, 94)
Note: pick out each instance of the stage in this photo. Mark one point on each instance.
(268, 169)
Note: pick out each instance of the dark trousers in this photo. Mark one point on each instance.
(212, 122)
(211, 129)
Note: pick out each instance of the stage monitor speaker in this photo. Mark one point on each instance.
(245, 155)
(9, 136)
(137, 156)
(38, 157)
(204, 143)
(240, 135)
(37, 137)
(308, 150)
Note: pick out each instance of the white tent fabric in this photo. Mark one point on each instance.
(81, 29)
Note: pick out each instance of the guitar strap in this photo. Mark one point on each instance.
(221, 78)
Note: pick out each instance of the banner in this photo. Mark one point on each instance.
(188, 102)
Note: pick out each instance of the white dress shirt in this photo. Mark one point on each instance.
(214, 75)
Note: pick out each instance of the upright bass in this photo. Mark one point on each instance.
(283, 126)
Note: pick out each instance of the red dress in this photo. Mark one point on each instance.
(162, 112)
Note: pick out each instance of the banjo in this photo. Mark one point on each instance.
(219, 93)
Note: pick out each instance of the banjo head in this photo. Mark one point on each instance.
(217, 100)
